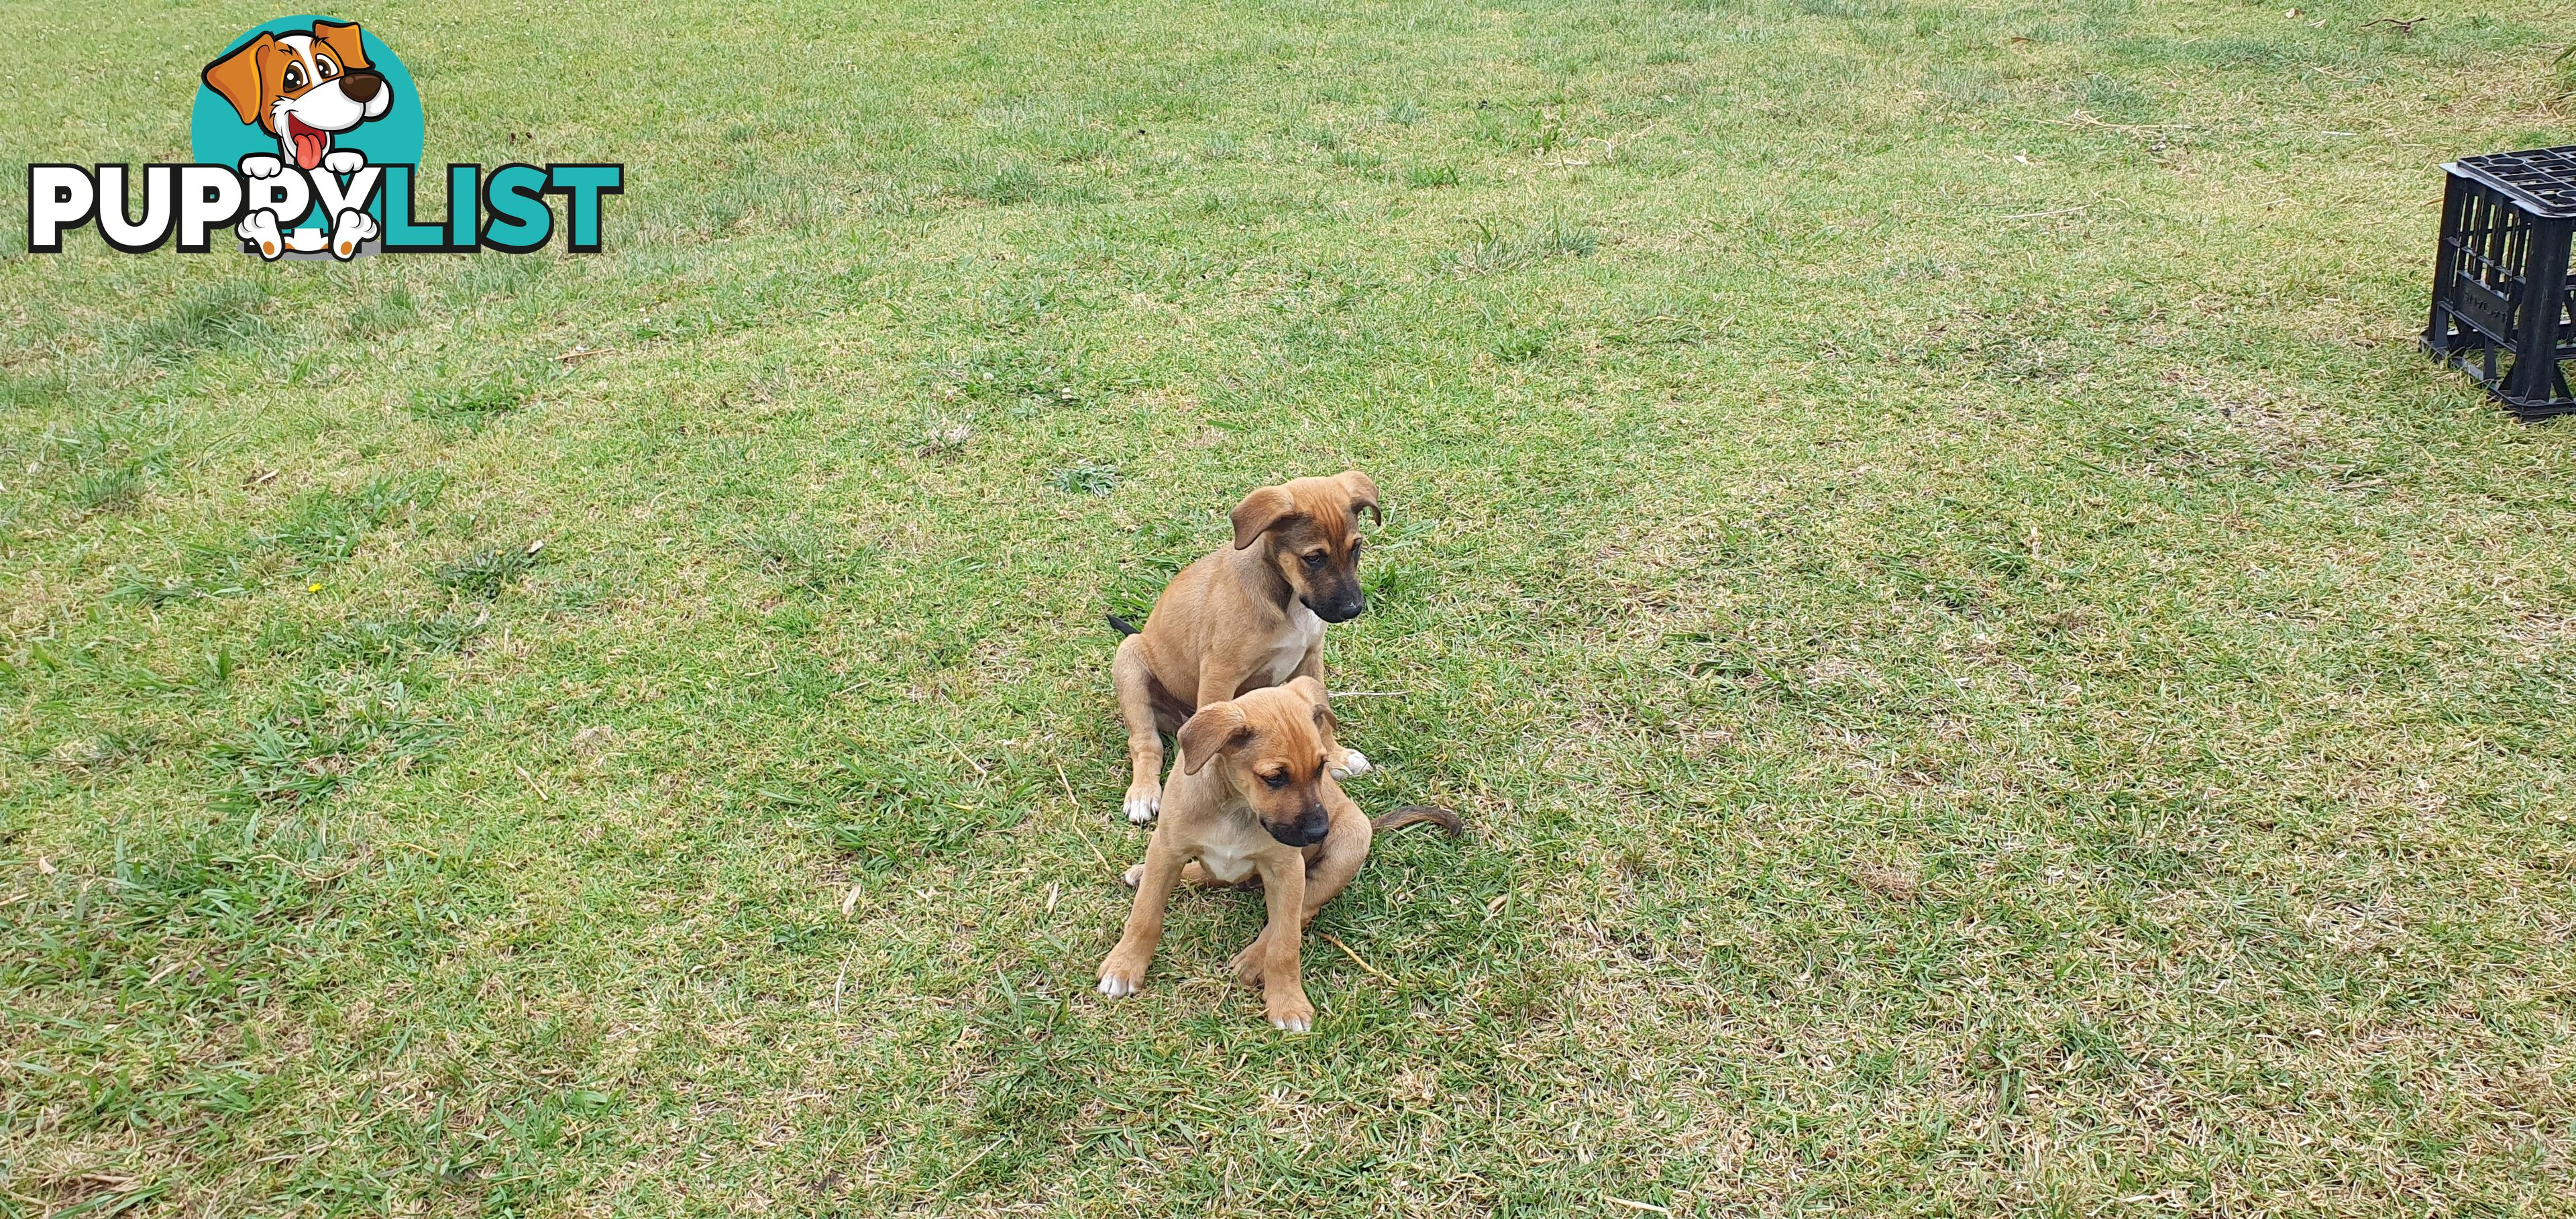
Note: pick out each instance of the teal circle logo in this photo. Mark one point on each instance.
(301, 89)
(305, 140)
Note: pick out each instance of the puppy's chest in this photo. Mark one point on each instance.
(1228, 862)
(1305, 630)
(1230, 848)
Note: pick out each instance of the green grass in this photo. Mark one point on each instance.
(1985, 673)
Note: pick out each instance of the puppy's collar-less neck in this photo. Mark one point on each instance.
(1230, 800)
(1275, 588)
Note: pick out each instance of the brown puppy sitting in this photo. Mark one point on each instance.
(1252, 799)
(1247, 616)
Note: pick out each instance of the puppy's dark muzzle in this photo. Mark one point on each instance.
(1305, 833)
(362, 86)
(1340, 609)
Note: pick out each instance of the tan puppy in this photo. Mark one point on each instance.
(1252, 799)
(1244, 617)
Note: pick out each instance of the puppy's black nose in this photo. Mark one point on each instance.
(361, 86)
(1340, 609)
(1300, 834)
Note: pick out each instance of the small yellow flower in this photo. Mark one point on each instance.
(313, 588)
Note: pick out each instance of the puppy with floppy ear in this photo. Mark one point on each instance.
(1245, 616)
(1253, 800)
(306, 88)
(302, 86)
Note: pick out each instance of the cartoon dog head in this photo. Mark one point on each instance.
(302, 87)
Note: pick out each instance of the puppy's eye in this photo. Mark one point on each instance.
(1275, 781)
(295, 78)
(1315, 560)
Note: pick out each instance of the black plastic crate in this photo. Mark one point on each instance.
(2504, 307)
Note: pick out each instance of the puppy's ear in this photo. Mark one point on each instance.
(1267, 508)
(1363, 491)
(343, 39)
(1313, 692)
(236, 79)
(1217, 728)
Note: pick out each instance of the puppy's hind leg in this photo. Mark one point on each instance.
(1338, 859)
(1134, 681)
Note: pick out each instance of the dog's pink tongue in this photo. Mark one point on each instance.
(308, 149)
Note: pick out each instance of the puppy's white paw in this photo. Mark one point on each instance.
(1118, 982)
(262, 167)
(260, 229)
(1143, 801)
(344, 161)
(1134, 876)
(352, 228)
(1290, 1012)
(1354, 764)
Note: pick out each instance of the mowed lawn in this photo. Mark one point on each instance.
(1985, 673)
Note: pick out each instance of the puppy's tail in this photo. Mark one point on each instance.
(1431, 814)
(1121, 625)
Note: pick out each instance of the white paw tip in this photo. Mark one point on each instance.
(1134, 875)
(1117, 988)
(1353, 763)
(1294, 1024)
(1142, 811)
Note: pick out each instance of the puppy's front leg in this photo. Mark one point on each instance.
(1353, 763)
(1122, 973)
(1133, 679)
(1283, 982)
